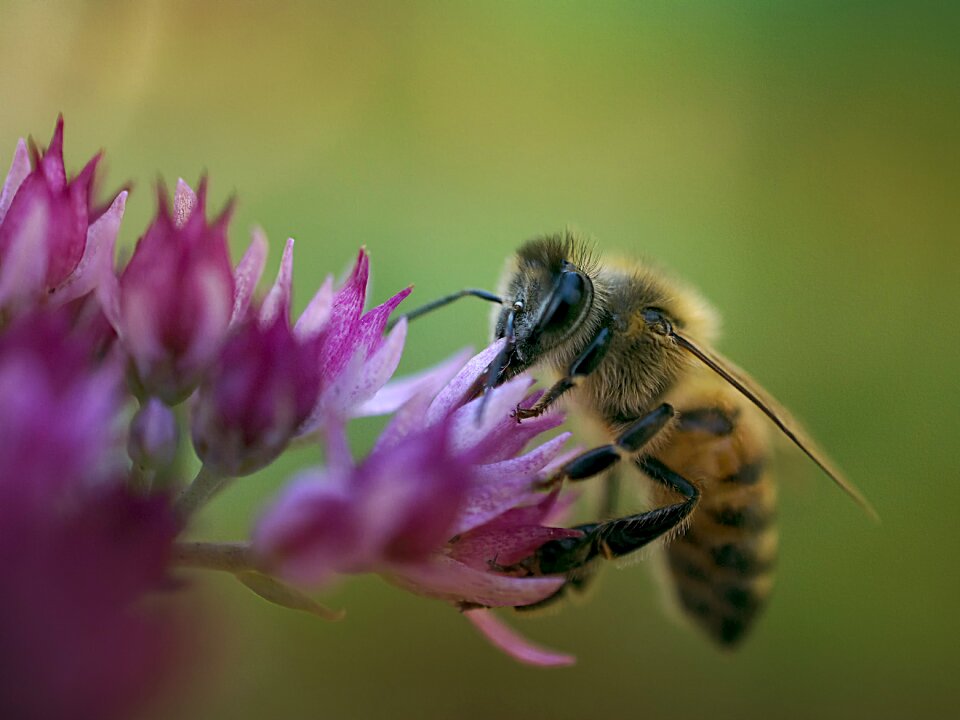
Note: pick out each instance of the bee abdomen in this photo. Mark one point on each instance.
(721, 567)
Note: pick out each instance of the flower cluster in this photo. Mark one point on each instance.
(103, 369)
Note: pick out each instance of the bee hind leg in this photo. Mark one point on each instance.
(615, 538)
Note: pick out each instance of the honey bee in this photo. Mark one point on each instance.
(633, 350)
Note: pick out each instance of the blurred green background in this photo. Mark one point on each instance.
(798, 162)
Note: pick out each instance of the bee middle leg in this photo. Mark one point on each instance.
(627, 444)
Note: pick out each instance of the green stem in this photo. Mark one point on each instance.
(204, 486)
(234, 557)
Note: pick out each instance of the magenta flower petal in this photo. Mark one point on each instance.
(247, 275)
(19, 169)
(177, 298)
(513, 644)
(96, 265)
(505, 546)
(344, 314)
(444, 578)
(254, 396)
(355, 358)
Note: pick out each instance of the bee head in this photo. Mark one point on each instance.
(548, 295)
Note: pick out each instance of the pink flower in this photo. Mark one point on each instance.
(55, 246)
(176, 296)
(61, 406)
(354, 356)
(441, 504)
(262, 386)
(77, 549)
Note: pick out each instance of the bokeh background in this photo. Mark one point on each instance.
(798, 162)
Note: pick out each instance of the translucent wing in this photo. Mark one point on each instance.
(752, 390)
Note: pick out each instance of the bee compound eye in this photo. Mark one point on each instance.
(658, 322)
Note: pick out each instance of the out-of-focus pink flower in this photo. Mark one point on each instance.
(441, 480)
(176, 296)
(262, 386)
(61, 406)
(77, 549)
(154, 435)
(74, 642)
(55, 246)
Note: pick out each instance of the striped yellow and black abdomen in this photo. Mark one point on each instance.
(720, 567)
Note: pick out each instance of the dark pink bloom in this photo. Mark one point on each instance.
(54, 244)
(176, 296)
(261, 388)
(441, 481)
(74, 641)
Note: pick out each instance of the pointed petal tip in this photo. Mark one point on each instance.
(508, 640)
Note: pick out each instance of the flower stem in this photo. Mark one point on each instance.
(204, 486)
(234, 557)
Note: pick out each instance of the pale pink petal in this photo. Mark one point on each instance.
(24, 267)
(19, 169)
(408, 419)
(247, 274)
(505, 638)
(315, 317)
(396, 393)
(503, 485)
(136, 327)
(97, 260)
(333, 399)
(444, 578)
(453, 394)
(378, 368)
(213, 321)
(184, 201)
(470, 428)
(278, 299)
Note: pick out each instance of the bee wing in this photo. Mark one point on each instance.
(755, 393)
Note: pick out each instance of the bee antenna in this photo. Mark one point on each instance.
(780, 417)
(446, 300)
(498, 364)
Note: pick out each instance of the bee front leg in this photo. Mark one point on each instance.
(584, 364)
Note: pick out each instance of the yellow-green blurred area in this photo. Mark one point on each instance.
(797, 162)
